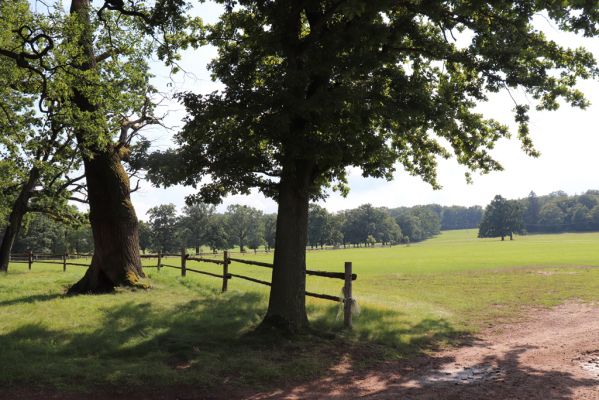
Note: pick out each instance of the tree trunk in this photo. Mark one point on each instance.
(287, 303)
(116, 259)
(197, 249)
(15, 219)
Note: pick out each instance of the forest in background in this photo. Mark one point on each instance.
(200, 226)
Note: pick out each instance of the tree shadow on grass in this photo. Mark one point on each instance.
(197, 347)
(30, 299)
(393, 329)
(501, 376)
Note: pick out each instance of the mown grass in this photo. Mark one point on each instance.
(183, 331)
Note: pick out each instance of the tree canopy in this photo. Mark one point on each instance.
(369, 85)
(502, 218)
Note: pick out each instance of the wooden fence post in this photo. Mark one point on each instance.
(159, 261)
(183, 262)
(30, 258)
(225, 271)
(64, 262)
(347, 292)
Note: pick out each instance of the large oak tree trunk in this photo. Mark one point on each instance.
(287, 304)
(15, 218)
(116, 259)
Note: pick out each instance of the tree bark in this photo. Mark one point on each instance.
(116, 260)
(15, 219)
(287, 303)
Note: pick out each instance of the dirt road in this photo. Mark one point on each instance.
(552, 354)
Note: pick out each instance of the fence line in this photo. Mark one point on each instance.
(347, 276)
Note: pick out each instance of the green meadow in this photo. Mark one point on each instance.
(182, 331)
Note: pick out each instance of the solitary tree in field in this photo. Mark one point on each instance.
(311, 88)
(501, 218)
(145, 236)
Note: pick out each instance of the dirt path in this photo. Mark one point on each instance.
(553, 354)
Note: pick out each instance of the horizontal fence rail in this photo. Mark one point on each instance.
(347, 276)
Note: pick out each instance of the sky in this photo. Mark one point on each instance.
(568, 140)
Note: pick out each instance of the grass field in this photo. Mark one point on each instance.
(183, 331)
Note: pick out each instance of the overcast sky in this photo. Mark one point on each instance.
(568, 140)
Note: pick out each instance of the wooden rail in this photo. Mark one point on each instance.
(208, 260)
(347, 276)
(326, 274)
(250, 262)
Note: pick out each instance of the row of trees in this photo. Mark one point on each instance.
(43, 234)
(199, 225)
(555, 212)
(558, 212)
(367, 224)
(308, 89)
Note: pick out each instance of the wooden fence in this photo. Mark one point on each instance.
(347, 276)
(58, 259)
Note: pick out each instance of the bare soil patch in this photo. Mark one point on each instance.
(551, 354)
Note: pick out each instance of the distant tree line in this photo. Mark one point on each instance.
(42, 234)
(558, 212)
(166, 230)
(555, 212)
(249, 228)
(452, 217)
(199, 225)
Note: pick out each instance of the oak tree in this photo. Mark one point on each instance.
(311, 88)
(502, 218)
(90, 65)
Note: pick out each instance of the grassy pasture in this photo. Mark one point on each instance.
(183, 331)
